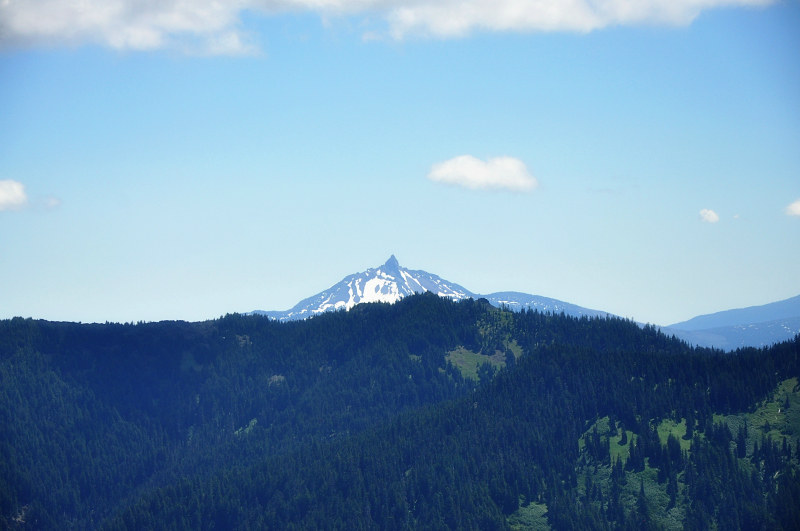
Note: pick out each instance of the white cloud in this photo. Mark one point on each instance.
(793, 209)
(497, 173)
(125, 24)
(709, 216)
(12, 195)
(214, 26)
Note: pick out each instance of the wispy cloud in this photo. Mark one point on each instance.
(51, 202)
(793, 209)
(496, 173)
(709, 216)
(204, 26)
(453, 19)
(12, 195)
(215, 27)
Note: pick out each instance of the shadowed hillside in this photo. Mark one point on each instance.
(364, 419)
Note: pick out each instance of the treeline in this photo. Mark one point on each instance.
(471, 462)
(356, 420)
(95, 413)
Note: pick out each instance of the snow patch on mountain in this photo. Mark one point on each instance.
(517, 301)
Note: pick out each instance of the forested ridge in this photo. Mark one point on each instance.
(358, 420)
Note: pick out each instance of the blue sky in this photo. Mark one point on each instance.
(187, 159)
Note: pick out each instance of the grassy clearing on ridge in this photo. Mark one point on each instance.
(468, 361)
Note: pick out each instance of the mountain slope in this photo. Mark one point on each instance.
(391, 282)
(93, 413)
(516, 301)
(357, 420)
(542, 432)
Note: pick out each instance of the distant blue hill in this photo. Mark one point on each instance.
(754, 314)
(755, 326)
(516, 301)
(740, 336)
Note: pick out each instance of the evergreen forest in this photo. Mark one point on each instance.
(423, 414)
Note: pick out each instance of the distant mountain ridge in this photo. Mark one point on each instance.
(743, 316)
(517, 301)
(391, 282)
(756, 326)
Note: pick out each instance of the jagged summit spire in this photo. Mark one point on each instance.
(391, 263)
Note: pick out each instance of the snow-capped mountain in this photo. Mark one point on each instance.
(391, 282)
(387, 283)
